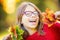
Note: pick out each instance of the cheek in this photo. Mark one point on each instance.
(37, 18)
(24, 19)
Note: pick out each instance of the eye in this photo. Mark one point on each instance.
(36, 13)
(28, 13)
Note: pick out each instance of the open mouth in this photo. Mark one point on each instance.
(33, 21)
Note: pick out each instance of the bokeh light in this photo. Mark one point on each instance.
(9, 6)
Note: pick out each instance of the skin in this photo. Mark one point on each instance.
(30, 26)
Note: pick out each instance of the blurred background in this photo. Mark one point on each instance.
(8, 11)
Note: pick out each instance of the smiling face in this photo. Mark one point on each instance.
(30, 18)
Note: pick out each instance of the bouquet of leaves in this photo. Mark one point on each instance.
(16, 32)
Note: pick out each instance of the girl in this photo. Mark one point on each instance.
(29, 19)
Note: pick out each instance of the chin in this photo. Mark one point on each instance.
(32, 26)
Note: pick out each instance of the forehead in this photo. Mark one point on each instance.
(30, 8)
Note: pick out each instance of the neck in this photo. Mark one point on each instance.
(31, 30)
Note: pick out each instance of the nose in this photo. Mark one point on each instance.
(33, 16)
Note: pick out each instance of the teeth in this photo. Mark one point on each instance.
(32, 21)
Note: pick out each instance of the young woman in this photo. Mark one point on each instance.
(29, 19)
